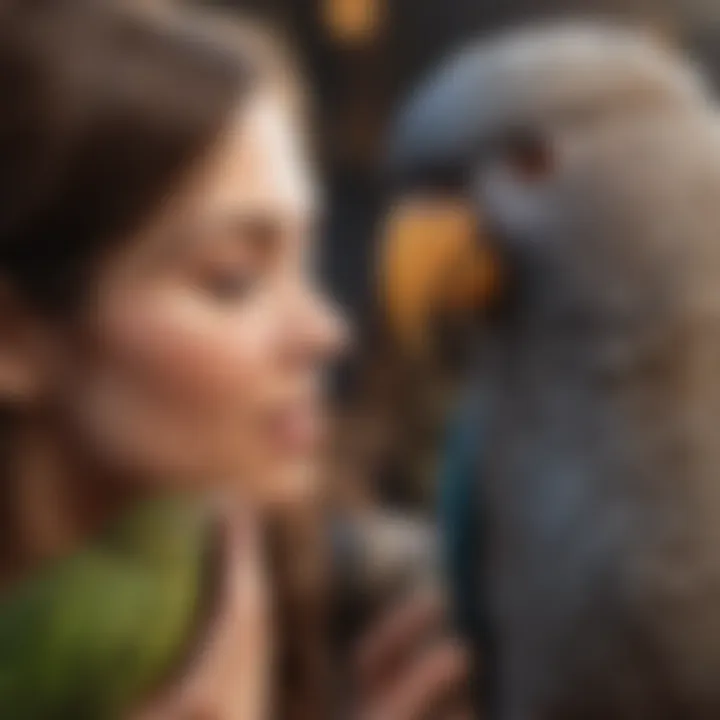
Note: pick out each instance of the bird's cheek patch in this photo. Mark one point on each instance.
(434, 261)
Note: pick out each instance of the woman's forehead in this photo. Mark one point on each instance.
(258, 174)
(262, 165)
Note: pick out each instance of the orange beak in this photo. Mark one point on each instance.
(434, 263)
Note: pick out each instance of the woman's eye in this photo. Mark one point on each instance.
(229, 286)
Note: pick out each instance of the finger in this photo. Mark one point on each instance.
(236, 646)
(229, 675)
(246, 596)
(242, 643)
(241, 595)
(398, 633)
(437, 677)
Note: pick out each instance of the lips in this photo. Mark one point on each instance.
(296, 429)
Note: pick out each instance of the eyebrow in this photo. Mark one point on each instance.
(265, 219)
(260, 225)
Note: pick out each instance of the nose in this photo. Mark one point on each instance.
(319, 326)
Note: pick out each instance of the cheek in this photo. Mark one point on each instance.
(190, 355)
(173, 386)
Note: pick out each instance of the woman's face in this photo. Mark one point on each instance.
(204, 360)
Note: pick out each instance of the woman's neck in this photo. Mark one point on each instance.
(51, 502)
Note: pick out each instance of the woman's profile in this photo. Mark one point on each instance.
(161, 334)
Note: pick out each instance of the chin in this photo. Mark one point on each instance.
(296, 484)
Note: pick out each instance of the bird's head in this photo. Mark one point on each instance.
(537, 157)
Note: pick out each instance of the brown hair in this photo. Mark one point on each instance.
(103, 111)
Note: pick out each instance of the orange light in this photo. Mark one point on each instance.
(353, 21)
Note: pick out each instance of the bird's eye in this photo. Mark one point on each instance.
(530, 157)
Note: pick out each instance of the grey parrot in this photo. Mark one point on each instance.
(588, 159)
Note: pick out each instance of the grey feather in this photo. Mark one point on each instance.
(529, 77)
(600, 477)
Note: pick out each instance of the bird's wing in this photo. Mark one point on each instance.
(463, 533)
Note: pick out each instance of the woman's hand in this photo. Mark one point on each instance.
(229, 678)
(408, 668)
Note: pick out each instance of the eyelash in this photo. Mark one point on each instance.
(229, 286)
